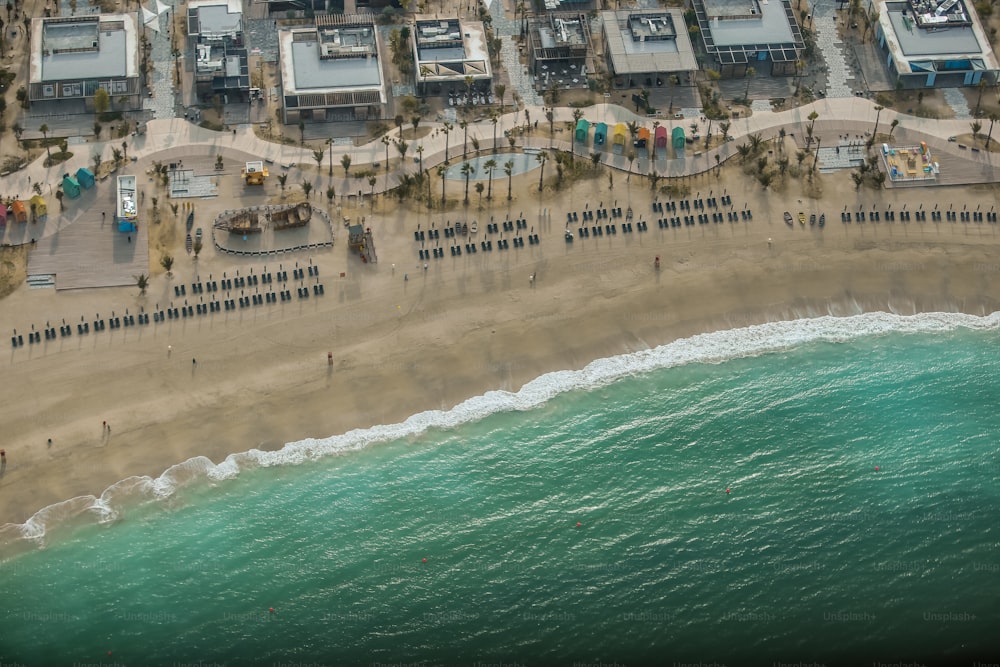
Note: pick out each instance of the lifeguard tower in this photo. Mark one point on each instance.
(254, 173)
(360, 240)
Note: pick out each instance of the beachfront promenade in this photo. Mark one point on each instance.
(175, 139)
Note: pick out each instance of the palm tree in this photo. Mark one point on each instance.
(96, 158)
(595, 159)
(541, 158)
(878, 112)
(447, 128)
(994, 117)
(465, 137)
(494, 118)
(500, 90)
(330, 194)
(479, 189)
(282, 179)
(441, 171)
(812, 122)
(329, 142)
(142, 282)
(420, 154)
(982, 86)
(724, 126)
(306, 188)
(402, 147)
(318, 156)
(577, 115)
(116, 154)
(385, 142)
(125, 151)
(976, 126)
(415, 121)
(488, 168)
(549, 116)
(346, 162)
(167, 262)
(631, 158)
(751, 72)
(467, 171)
(44, 129)
(508, 168)
(59, 196)
(371, 183)
(892, 127)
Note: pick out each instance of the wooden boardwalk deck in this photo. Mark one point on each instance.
(86, 250)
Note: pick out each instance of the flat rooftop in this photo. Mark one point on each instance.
(934, 48)
(916, 41)
(311, 73)
(738, 22)
(215, 17)
(648, 41)
(562, 32)
(340, 58)
(450, 49)
(91, 47)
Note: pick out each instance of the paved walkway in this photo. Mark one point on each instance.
(175, 138)
(163, 102)
(520, 79)
(825, 16)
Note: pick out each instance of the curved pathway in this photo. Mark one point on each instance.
(177, 138)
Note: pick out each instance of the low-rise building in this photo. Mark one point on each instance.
(332, 71)
(73, 57)
(221, 64)
(934, 43)
(561, 50)
(739, 34)
(646, 47)
(449, 52)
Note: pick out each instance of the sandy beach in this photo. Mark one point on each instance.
(405, 339)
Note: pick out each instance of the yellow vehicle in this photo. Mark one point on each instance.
(254, 173)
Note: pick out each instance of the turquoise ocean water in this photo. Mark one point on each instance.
(453, 538)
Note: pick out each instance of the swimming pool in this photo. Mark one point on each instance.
(523, 163)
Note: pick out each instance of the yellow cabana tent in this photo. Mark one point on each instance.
(39, 207)
(621, 131)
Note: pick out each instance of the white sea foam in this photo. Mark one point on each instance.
(712, 347)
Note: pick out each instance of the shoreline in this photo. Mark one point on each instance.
(461, 328)
(78, 507)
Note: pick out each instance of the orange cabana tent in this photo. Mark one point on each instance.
(20, 211)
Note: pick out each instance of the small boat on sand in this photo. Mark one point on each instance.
(788, 218)
(822, 219)
(802, 218)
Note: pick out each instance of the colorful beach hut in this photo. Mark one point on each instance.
(642, 138)
(677, 138)
(71, 186)
(661, 137)
(600, 134)
(582, 130)
(39, 209)
(85, 178)
(618, 138)
(20, 211)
